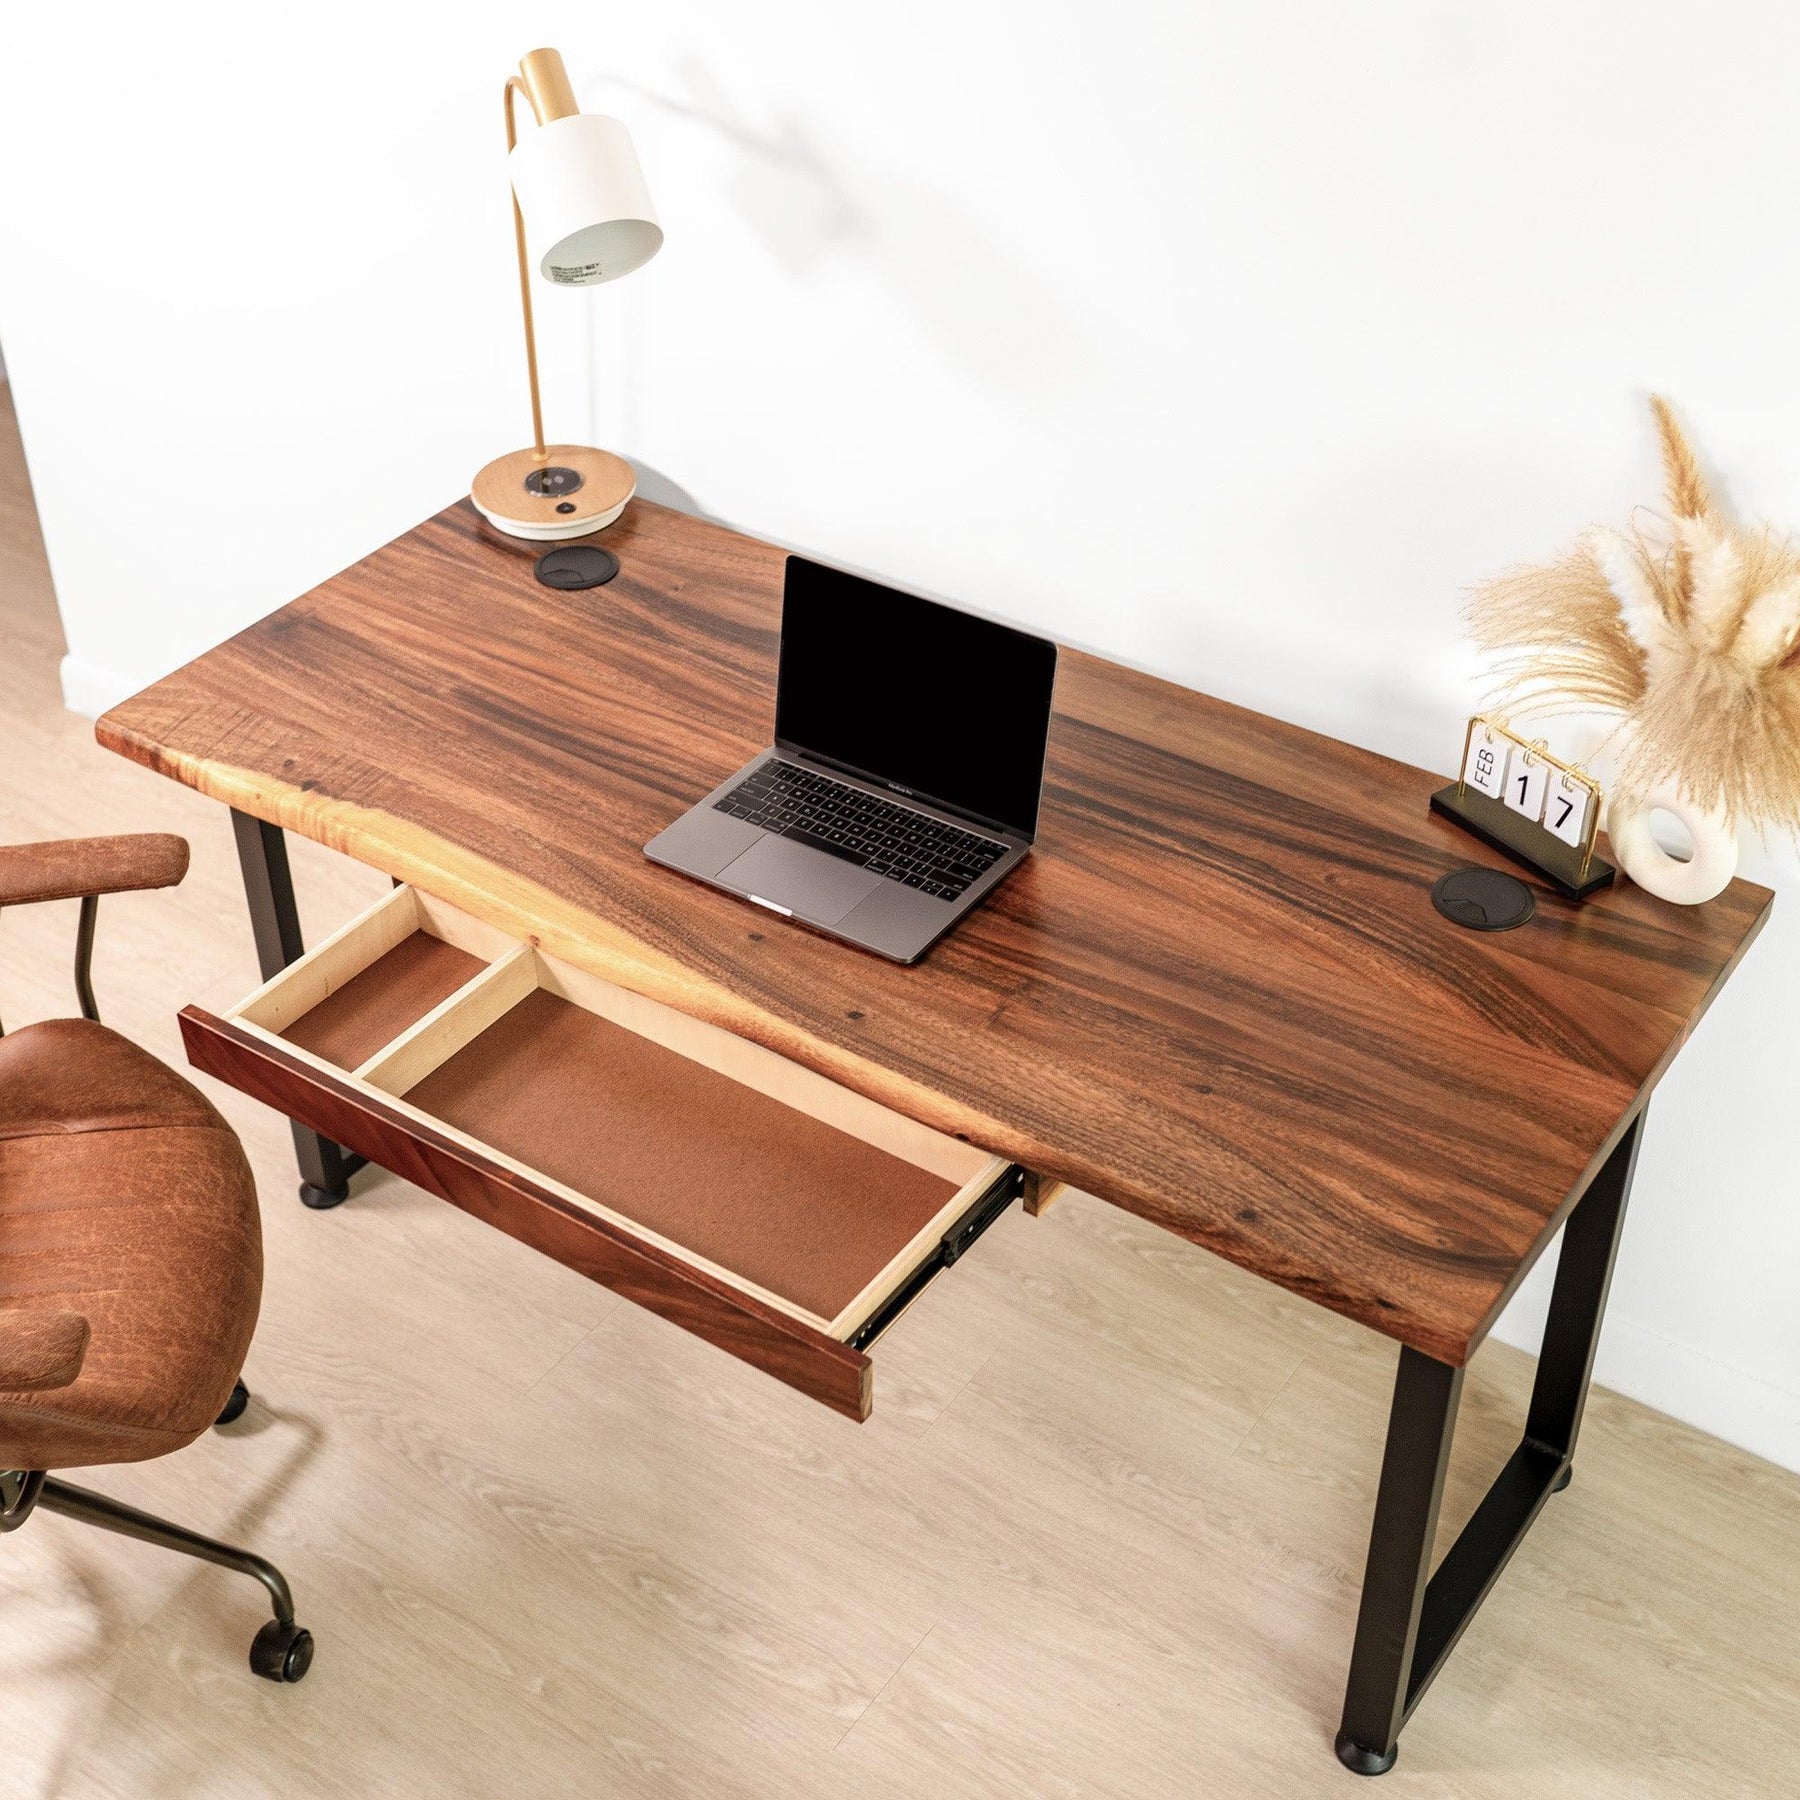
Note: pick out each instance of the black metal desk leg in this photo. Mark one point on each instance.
(1420, 1427)
(1411, 1619)
(325, 1167)
(1578, 1304)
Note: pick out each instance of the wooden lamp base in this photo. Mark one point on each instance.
(561, 491)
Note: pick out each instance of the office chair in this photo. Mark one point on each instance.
(130, 1247)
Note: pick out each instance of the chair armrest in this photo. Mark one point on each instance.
(72, 867)
(40, 1349)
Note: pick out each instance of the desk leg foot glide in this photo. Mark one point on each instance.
(1563, 1480)
(328, 1185)
(1359, 1759)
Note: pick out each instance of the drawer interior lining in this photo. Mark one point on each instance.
(793, 1206)
(379, 1002)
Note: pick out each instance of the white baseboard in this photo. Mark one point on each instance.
(1685, 1383)
(1688, 1385)
(90, 691)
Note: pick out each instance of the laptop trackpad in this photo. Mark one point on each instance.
(797, 876)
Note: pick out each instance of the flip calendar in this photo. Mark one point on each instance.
(1513, 793)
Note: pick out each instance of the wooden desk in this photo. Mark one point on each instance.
(1217, 995)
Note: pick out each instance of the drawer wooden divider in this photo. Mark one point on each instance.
(452, 1023)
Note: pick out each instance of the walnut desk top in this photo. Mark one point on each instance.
(1217, 995)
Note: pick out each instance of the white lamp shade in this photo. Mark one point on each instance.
(583, 196)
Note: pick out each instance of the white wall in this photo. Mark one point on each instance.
(1232, 340)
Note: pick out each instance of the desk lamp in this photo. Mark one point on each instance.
(578, 190)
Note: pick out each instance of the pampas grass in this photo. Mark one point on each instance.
(1687, 629)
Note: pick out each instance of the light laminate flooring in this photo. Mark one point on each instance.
(1102, 1537)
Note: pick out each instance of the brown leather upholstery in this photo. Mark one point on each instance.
(74, 866)
(125, 1200)
(40, 1350)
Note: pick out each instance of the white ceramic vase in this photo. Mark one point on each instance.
(1705, 872)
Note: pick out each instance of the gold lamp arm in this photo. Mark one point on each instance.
(544, 81)
(515, 86)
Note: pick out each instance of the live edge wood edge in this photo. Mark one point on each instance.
(817, 1365)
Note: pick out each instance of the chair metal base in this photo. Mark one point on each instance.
(114, 1515)
(282, 1649)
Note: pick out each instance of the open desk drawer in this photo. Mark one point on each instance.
(747, 1199)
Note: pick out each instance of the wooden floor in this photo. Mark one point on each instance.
(1103, 1535)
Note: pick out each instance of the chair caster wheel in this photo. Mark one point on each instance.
(1563, 1480)
(281, 1652)
(323, 1199)
(234, 1407)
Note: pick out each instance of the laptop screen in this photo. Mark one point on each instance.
(925, 699)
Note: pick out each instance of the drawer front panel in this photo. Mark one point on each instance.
(785, 1347)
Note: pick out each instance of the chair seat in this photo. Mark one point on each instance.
(125, 1197)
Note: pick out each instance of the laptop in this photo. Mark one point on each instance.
(903, 786)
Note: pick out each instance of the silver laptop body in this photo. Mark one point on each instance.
(854, 852)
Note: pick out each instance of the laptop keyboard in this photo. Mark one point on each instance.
(861, 827)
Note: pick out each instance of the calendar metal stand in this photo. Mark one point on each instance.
(1574, 870)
